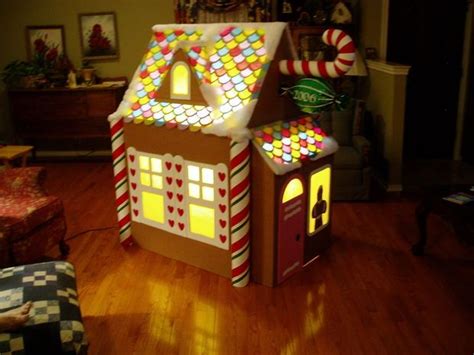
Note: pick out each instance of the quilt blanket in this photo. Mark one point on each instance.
(55, 324)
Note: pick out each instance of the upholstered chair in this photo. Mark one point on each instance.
(31, 221)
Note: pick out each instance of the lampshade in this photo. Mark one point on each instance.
(358, 68)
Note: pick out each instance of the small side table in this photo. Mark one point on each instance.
(461, 217)
(12, 152)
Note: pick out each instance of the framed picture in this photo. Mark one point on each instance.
(99, 38)
(45, 41)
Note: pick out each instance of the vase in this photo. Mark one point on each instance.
(88, 75)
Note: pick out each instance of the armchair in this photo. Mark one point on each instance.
(352, 166)
(31, 221)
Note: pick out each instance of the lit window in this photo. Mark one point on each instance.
(144, 163)
(292, 190)
(194, 190)
(319, 199)
(202, 220)
(145, 179)
(193, 173)
(153, 207)
(207, 176)
(208, 193)
(157, 181)
(180, 81)
(150, 172)
(156, 165)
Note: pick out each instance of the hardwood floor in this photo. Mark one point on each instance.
(366, 295)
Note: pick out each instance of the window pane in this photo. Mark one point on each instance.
(157, 181)
(194, 190)
(292, 190)
(180, 78)
(145, 179)
(153, 207)
(202, 220)
(208, 193)
(144, 163)
(193, 173)
(207, 176)
(156, 165)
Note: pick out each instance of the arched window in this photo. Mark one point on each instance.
(180, 81)
(292, 190)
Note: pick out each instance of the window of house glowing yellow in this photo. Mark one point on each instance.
(319, 199)
(202, 220)
(150, 172)
(292, 190)
(180, 81)
(153, 207)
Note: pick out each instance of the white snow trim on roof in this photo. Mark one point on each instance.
(273, 32)
(211, 94)
(330, 146)
(235, 126)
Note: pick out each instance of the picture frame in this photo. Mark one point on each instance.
(45, 40)
(99, 36)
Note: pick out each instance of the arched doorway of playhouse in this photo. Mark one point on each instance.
(291, 227)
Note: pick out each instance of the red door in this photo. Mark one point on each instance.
(291, 227)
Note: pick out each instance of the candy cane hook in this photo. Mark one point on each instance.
(320, 68)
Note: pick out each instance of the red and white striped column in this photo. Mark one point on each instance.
(342, 63)
(240, 212)
(122, 200)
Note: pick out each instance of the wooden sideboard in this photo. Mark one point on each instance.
(64, 119)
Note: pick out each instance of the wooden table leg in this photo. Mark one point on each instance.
(23, 159)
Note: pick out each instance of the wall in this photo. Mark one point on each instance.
(370, 24)
(386, 101)
(134, 22)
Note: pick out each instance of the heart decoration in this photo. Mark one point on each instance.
(178, 167)
(134, 185)
(221, 176)
(170, 194)
(132, 171)
(181, 225)
(222, 223)
(171, 222)
(168, 165)
(169, 180)
(180, 197)
(222, 207)
(222, 192)
(171, 209)
(179, 182)
(135, 199)
(135, 212)
(180, 211)
(222, 237)
(132, 157)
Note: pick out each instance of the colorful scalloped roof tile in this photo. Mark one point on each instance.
(236, 64)
(290, 142)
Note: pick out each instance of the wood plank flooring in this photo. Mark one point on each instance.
(366, 295)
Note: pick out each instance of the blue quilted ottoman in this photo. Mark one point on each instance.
(55, 325)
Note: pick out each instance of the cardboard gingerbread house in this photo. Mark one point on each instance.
(213, 166)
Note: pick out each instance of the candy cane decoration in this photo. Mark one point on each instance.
(320, 68)
(121, 181)
(240, 212)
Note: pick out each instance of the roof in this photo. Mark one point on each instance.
(230, 62)
(285, 145)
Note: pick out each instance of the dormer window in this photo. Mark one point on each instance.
(180, 81)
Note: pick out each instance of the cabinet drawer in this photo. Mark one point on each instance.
(101, 104)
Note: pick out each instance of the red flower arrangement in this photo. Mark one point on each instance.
(98, 41)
